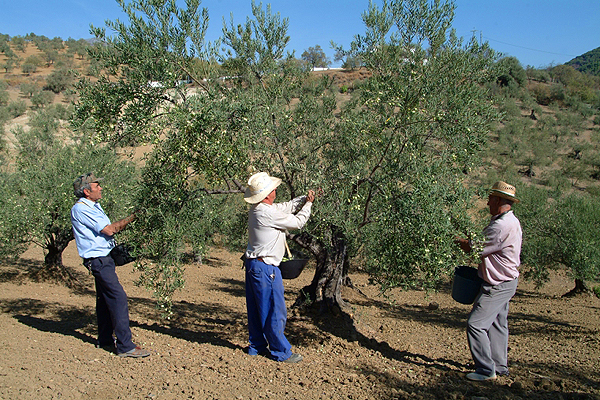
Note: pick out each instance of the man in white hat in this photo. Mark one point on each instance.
(487, 326)
(265, 303)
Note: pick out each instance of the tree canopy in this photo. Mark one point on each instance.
(315, 57)
(390, 164)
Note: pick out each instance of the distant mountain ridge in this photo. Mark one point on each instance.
(588, 62)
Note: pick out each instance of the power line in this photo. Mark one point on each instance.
(528, 48)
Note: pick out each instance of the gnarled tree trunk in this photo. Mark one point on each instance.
(580, 288)
(56, 243)
(331, 271)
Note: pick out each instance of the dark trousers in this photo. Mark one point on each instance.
(267, 313)
(112, 311)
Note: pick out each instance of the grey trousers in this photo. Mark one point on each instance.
(487, 327)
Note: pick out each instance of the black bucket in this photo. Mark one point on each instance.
(466, 284)
(291, 269)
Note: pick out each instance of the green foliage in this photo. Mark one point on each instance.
(413, 108)
(123, 108)
(315, 57)
(19, 43)
(582, 86)
(28, 89)
(509, 72)
(588, 62)
(539, 75)
(37, 196)
(17, 108)
(28, 68)
(9, 64)
(412, 130)
(58, 80)
(4, 97)
(560, 230)
(42, 98)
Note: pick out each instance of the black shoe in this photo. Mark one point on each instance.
(110, 347)
(503, 373)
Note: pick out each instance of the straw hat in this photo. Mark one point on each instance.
(504, 190)
(259, 187)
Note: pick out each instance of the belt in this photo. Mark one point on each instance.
(86, 260)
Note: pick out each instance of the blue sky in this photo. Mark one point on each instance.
(538, 32)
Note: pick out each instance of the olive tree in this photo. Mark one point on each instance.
(37, 195)
(560, 231)
(315, 57)
(390, 165)
(139, 98)
(396, 161)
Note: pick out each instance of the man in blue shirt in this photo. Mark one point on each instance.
(94, 238)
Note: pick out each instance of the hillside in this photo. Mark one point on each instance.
(588, 63)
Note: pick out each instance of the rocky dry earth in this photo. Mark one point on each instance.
(406, 346)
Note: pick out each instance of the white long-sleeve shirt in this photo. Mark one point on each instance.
(267, 224)
(501, 255)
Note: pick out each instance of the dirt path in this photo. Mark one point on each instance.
(402, 347)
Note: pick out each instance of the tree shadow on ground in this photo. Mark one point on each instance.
(201, 323)
(25, 270)
(344, 327)
(234, 287)
(59, 318)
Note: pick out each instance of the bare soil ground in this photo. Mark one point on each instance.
(407, 346)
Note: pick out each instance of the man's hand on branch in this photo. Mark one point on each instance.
(310, 197)
(464, 244)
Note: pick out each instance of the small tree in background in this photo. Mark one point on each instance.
(28, 89)
(58, 80)
(560, 230)
(36, 197)
(349, 61)
(315, 57)
(508, 73)
(42, 98)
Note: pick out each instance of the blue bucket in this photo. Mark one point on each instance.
(466, 284)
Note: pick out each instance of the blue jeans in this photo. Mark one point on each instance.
(267, 313)
(111, 305)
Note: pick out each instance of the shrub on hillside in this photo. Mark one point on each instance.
(60, 111)
(510, 72)
(17, 108)
(58, 80)
(539, 75)
(28, 89)
(42, 98)
(4, 97)
(547, 94)
(28, 68)
(34, 60)
(4, 115)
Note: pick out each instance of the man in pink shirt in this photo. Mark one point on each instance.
(487, 326)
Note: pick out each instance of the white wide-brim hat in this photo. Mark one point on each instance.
(259, 187)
